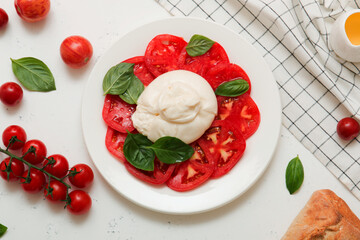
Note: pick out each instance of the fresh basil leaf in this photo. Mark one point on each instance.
(117, 79)
(171, 150)
(3, 229)
(232, 88)
(33, 74)
(294, 175)
(137, 153)
(133, 92)
(198, 45)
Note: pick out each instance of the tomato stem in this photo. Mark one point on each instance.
(41, 169)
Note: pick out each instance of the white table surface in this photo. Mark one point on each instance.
(263, 212)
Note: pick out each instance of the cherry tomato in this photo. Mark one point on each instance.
(4, 18)
(59, 168)
(17, 168)
(84, 178)
(76, 51)
(348, 128)
(11, 131)
(32, 10)
(80, 202)
(40, 151)
(11, 94)
(58, 193)
(36, 183)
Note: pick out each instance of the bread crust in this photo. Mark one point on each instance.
(324, 217)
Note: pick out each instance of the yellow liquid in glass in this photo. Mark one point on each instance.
(352, 28)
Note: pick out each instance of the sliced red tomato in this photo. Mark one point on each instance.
(248, 115)
(162, 53)
(140, 70)
(226, 145)
(160, 175)
(241, 111)
(201, 64)
(224, 72)
(114, 142)
(117, 113)
(193, 172)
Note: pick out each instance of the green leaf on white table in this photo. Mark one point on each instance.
(33, 74)
(3, 229)
(198, 45)
(294, 175)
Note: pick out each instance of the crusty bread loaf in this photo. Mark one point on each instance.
(324, 217)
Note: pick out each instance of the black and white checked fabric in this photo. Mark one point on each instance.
(317, 88)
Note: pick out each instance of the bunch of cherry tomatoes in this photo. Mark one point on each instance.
(51, 174)
(34, 169)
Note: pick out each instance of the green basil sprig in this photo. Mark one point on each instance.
(3, 229)
(294, 175)
(121, 80)
(33, 74)
(171, 150)
(198, 45)
(117, 79)
(134, 91)
(137, 153)
(232, 88)
(140, 151)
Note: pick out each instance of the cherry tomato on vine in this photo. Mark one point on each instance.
(59, 168)
(32, 10)
(40, 151)
(58, 192)
(4, 18)
(348, 128)
(80, 202)
(76, 51)
(11, 94)
(84, 178)
(37, 182)
(17, 168)
(11, 131)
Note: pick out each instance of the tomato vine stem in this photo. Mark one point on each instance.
(50, 176)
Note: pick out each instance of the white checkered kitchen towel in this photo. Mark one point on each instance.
(317, 89)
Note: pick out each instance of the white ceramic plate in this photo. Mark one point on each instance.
(214, 193)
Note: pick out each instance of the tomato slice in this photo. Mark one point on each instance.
(193, 172)
(140, 70)
(226, 145)
(247, 115)
(114, 143)
(117, 113)
(242, 112)
(224, 72)
(160, 175)
(162, 53)
(201, 64)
